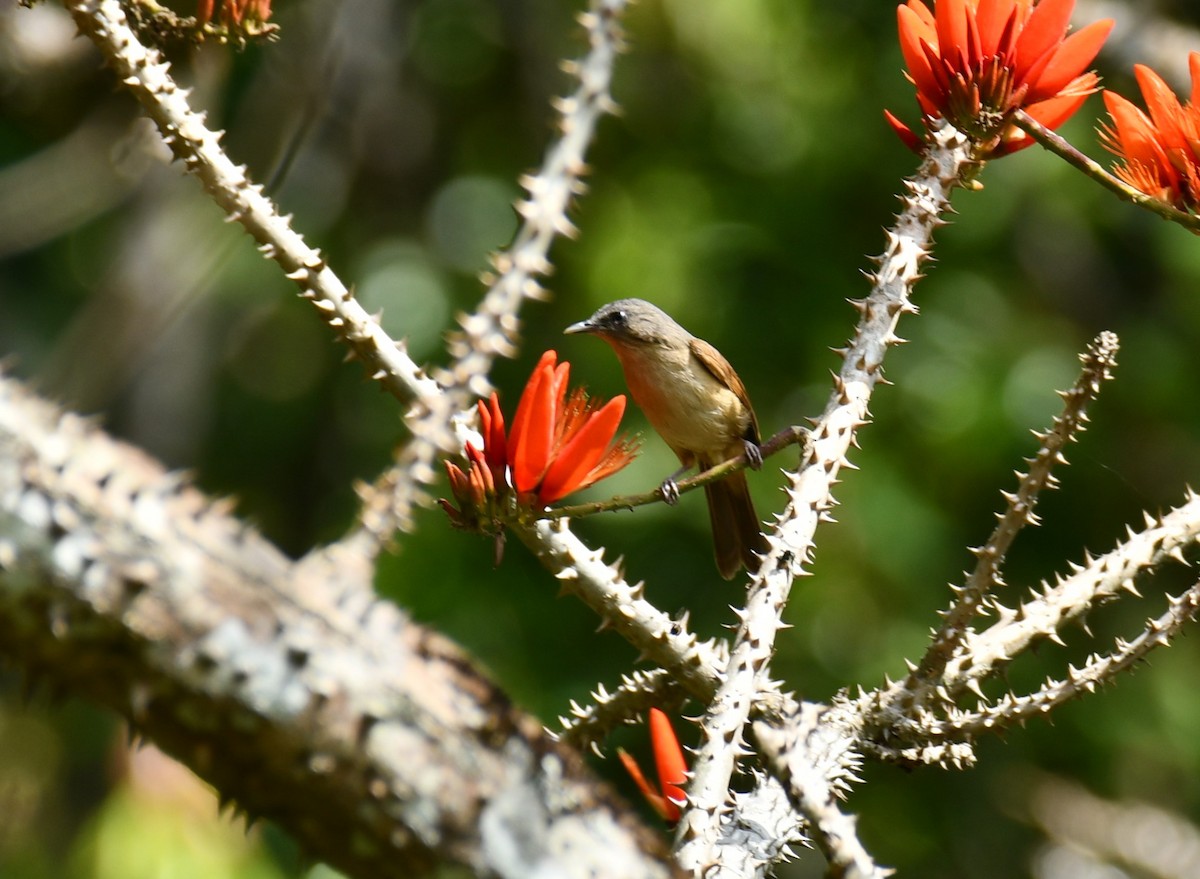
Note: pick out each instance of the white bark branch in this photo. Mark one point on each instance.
(287, 685)
(810, 493)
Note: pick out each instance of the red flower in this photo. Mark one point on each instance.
(976, 62)
(1160, 153)
(672, 768)
(558, 444)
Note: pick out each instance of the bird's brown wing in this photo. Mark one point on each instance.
(714, 361)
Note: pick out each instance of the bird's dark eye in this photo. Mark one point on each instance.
(618, 318)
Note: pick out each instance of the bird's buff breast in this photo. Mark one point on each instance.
(684, 402)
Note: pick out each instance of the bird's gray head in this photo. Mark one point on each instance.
(632, 321)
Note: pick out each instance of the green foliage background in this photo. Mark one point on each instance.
(749, 173)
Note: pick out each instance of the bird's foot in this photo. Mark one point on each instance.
(670, 492)
(754, 456)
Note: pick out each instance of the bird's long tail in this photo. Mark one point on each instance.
(737, 534)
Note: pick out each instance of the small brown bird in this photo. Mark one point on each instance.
(698, 405)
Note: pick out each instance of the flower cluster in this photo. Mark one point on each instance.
(670, 765)
(1159, 152)
(234, 12)
(559, 443)
(976, 62)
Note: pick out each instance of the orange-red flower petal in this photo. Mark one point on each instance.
(669, 764)
(653, 797)
(1074, 55)
(1161, 103)
(915, 33)
(1194, 70)
(951, 19)
(993, 19)
(532, 436)
(907, 136)
(575, 461)
(495, 445)
(1043, 33)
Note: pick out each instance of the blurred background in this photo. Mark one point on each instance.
(746, 181)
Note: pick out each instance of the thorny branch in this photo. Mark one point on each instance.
(1098, 363)
(1010, 709)
(946, 167)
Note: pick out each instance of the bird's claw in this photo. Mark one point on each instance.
(754, 458)
(670, 492)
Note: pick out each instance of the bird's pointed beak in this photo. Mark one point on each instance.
(584, 326)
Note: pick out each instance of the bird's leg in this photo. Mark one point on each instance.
(669, 489)
(753, 454)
